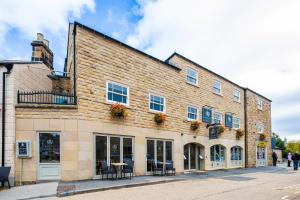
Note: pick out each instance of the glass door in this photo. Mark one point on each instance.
(191, 156)
(49, 156)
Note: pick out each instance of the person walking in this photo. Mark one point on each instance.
(295, 159)
(289, 158)
(275, 157)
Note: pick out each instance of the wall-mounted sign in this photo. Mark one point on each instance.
(213, 132)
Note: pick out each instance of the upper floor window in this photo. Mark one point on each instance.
(237, 95)
(218, 118)
(192, 76)
(217, 87)
(157, 103)
(192, 113)
(236, 123)
(260, 127)
(259, 104)
(117, 93)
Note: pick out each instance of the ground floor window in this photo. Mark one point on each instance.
(158, 151)
(112, 149)
(217, 153)
(49, 147)
(236, 153)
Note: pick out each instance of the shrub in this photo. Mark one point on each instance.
(160, 118)
(239, 133)
(118, 110)
(262, 137)
(195, 125)
(221, 129)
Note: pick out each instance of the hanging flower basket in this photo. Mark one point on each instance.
(118, 110)
(221, 129)
(195, 125)
(160, 118)
(239, 133)
(261, 144)
(262, 137)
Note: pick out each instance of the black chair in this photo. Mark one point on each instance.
(106, 170)
(4, 173)
(158, 168)
(170, 168)
(128, 168)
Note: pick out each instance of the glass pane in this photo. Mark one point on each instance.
(101, 152)
(114, 149)
(160, 151)
(118, 89)
(186, 156)
(212, 153)
(127, 148)
(193, 156)
(168, 150)
(49, 148)
(117, 97)
(150, 154)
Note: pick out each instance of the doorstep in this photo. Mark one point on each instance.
(80, 187)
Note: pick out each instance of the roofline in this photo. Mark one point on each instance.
(222, 77)
(125, 45)
(19, 62)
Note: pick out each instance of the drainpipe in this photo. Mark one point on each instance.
(9, 67)
(74, 63)
(246, 127)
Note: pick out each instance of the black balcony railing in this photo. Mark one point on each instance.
(46, 97)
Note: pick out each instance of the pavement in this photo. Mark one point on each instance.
(253, 183)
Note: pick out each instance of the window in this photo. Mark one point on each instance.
(237, 96)
(218, 118)
(217, 153)
(157, 103)
(217, 87)
(259, 104)
(117, 93)
(192, 76)
(236, 153)
(260, 128)
(112, 149)
(192, 113)
(236, 123)
(228, 120)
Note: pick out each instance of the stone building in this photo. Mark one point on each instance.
(73, 133)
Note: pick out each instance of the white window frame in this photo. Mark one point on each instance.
(187, 75)
(234, 123)
(164, 105)
(259, 104)
(235, 96)
(111, 101)
(217, 81)
(197, 113)
(260, 127)
(218, 113)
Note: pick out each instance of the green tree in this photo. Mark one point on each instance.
(279, 142)
(292, 147)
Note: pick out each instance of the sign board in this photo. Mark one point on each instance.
(23, 149)
(213, 132)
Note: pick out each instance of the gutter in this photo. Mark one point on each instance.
(246, 127)
(9, 67)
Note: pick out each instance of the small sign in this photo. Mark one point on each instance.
(213, 132)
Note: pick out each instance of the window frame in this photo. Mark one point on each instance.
(217, 81)
(259, 103)
(220, 114)
(119, 84)
(197, 113)
(233, 123)
(187, 76)
(239, 97)
(149, 103)
(260, 127)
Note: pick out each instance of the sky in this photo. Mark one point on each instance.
(253, 43)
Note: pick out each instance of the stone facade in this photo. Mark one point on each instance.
(100, 59)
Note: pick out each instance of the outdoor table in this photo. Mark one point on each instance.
(164, 165)
(118, 167)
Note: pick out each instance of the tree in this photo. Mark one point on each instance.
(279, 142)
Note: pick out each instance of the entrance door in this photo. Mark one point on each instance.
(191, 156)
(49, 156)
(261, 157)
(217, 157)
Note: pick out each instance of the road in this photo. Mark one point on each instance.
(258, 185)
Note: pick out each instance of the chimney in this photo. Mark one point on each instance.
(41, 51)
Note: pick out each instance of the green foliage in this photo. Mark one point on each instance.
(279, 141)
(292, 147)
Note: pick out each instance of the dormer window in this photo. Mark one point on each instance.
(192, 76)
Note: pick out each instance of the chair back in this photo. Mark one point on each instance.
(104, 166)
(169, 164)
(4, 172)
(129, 162)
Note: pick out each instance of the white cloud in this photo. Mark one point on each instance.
(254, 43)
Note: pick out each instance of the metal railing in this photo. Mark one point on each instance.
(46, 97)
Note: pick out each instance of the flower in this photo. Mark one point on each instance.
(195, 125)
(239, 133)
(160, 118)
(221, 129)
(118, 110)
(262, 136)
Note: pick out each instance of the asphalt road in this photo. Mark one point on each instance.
(281, 184)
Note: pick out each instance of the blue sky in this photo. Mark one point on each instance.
(255, 43)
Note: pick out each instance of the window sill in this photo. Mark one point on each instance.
(156, 112)
(219, 94)
(110, 103)
(195, 85)
(237, 101)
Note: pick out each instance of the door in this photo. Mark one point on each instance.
(261, 157)
(217, 157)
(191, 156)
(49, 156)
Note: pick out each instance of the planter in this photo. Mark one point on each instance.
(262, 137)
(261, 144)
(239, 133)
(221, 129)
(160, 118)
(195, 125)
(118, 110)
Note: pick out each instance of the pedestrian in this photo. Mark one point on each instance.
(289, 158)
(275, 157)
(295, 159)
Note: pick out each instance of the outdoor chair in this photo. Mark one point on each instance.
(158, 168)
(128, 168)
(170, 170)
(4, 173)
(106, 170)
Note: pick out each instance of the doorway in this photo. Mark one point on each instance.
(192, 157)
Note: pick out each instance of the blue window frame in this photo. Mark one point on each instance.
(117, 93)
(157, 103)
